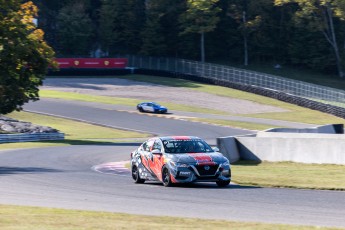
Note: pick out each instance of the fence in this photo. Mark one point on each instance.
(240, 76)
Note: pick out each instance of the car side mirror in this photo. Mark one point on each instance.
(215, 149)
(156, 151)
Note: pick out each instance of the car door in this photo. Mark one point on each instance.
(148, 107)
(157, 159)
(146, 154)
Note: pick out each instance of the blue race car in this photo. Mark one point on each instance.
(151, 107)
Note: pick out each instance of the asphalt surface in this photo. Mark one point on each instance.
(64, 177)
(109, 116)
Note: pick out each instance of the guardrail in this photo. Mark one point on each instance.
(240, 76)
(9, 138)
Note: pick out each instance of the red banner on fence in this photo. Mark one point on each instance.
(91, 62)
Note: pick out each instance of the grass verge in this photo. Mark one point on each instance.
(25, 218)
(235, 124)
(76, 133)
(289, 175)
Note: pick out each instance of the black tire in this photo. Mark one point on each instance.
(223, 183)
(136, 176)
(141, 109)
(166, 179)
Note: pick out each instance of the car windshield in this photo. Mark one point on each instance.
(186, 146)
(155, 104)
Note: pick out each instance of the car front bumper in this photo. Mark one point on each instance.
(193, 173)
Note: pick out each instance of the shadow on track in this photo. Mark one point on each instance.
(203, 185)
(25, 170)
(94, 142)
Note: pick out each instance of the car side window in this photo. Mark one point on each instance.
(157, 145)
(200, 147)
(143, 146)
(149, 145)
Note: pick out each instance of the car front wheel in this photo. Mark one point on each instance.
(136, 176)
(166, 179)
(223, 183)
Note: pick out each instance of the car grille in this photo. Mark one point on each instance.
(202, 169)
(207, 178)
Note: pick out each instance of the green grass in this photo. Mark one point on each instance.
(89, 98)
(236, 124)
(76, 133)
(27, 218)
(289, 175)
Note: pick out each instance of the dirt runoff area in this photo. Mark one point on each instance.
(115, 87)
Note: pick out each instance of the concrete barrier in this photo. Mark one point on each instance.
(228, 146)
(320, 145)
(331, 129)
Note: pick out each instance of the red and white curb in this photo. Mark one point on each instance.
(114, 168)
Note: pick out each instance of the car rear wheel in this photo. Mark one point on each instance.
(223, 183)
(166, 179)
(136, 176)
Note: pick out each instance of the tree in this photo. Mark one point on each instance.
(121, 22)
(249, 16)
(319, 15)
(200, 17)
(161, 31)
(152, 37)
(106, 26)
(24, 55)
(47, 19)
(75, 29)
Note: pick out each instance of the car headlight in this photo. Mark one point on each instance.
(178, 164)
(226, 164)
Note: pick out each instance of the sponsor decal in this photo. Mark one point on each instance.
(92, 62)
(202, 159)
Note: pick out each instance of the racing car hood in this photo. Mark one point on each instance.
(198, 158)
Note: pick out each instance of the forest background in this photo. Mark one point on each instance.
(300, 33)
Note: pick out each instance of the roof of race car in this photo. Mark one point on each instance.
(146, 102)
(178, 138)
